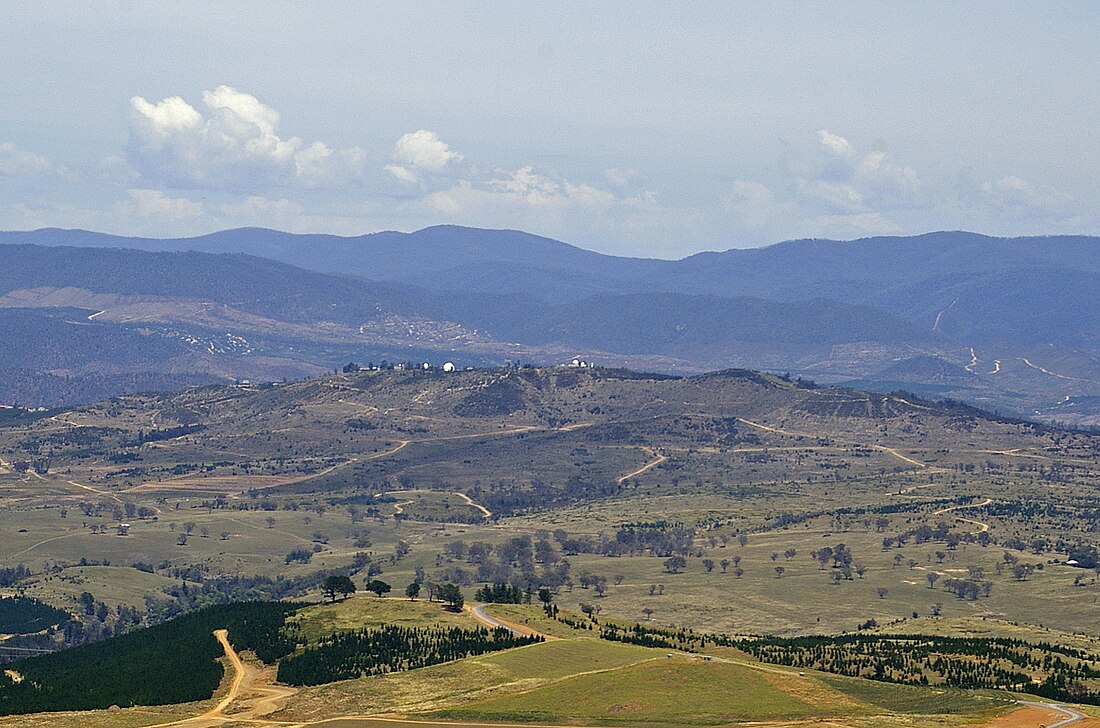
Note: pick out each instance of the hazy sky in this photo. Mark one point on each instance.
(647, 129)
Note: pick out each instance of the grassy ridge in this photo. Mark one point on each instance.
(662, 690)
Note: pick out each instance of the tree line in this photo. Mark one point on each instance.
(380, 650)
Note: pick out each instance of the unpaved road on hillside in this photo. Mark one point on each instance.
(1071, 715)
(881, 448)
(250, 695)
(478, 613)
(982, 526)
(658, 458)
(473, 504)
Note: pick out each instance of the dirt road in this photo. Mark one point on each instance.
(1071, 716)
(658, 458)
(473, 504)
(252, 695)
(982, 526)
(881, 448)
(478, 613)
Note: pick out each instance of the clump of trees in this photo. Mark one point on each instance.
(338, 584)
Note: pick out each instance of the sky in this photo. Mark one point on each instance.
(648, 129)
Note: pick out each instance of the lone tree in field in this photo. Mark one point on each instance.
(708, 564)
(378, 586)
(648, 613)
(412, 591)
(779, 571)
(882, 592)
(338, 584)
(724, 563)
(932, 578)
(674, 564)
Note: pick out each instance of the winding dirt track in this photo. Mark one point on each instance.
(881, 448)
(249, 690)
(473, 504)
(478, 613)
(982, 526)
(658, 458)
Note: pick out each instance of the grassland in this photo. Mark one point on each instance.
(370, 611)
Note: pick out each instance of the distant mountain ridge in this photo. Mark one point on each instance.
(894, 308)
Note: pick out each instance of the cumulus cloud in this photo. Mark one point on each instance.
(624, 179)
(154, 203)
(19, 163)
(530, 199)
(835, 144)
(755, 205)
(425, 150)
(419, 152)
(522, 188)
(258, 207)
(1015, 196)
(839, 195)
(851, 182)
(236, 145)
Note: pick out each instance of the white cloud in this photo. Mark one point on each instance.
(402, 173)
(835, 144)
(839, 195)
(258, 207)
(624, 178)
(236, 146)
(154, 203)
(524, 196)
(526, 183)
(1015, 196)
(420, 152)
(755, 205)
(16, 162)
(425, 150)
(850, 181)
(879, 168)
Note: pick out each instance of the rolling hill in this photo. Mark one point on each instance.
(1016, 314)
